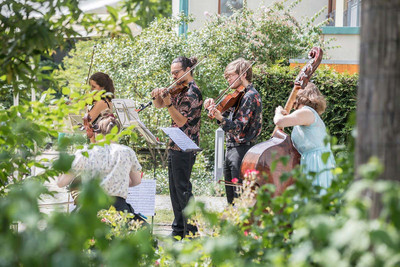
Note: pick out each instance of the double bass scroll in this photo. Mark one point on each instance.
(261, 156)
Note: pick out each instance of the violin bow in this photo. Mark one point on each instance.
(91, 63)
(219, 98)
(143, 106)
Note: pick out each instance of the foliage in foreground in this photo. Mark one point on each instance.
(299, 228)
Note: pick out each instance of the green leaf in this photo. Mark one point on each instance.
(66, 91)
(325, 156)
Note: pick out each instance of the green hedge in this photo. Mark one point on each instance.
(275, 84)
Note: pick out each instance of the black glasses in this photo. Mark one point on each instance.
(175, 72)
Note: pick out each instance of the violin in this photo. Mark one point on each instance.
(223, 103)
(88, 126)
(177, 88)
(229, 100)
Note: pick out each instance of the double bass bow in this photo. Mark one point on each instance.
(261, 156)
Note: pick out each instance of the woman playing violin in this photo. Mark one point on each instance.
(241, 122)
(184, 103)
(100, 81)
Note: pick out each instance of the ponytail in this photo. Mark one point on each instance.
(186, 62)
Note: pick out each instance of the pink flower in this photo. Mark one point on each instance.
(103, 220)
(246, 233)
(251, 172)
(206, 13)
(235, 180)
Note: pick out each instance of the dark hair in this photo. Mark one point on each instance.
(185, 62)
(106, 122)
(238, 66)
(103, 80)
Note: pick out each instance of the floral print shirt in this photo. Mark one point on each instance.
(189, 103)
(111, 163)
(242, 123)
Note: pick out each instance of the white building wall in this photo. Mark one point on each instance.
(306, 8)
(348, 47)
(349, 44)
(197, 8)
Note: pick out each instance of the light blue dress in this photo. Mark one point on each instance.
(309, 141)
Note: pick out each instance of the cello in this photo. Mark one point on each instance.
(264, 155)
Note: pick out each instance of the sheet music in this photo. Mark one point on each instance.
(72, 122)
(181, 139)
(124, 109)
(127, 114)
(143, 197)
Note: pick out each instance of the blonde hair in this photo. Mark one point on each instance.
(107, 122)
(238, 66)
(312, 97)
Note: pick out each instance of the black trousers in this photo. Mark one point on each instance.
(180, 166)
(120, 204)
(233, 161)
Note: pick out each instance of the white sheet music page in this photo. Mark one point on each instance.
(124, 107)
(181, 139)
(143, 197)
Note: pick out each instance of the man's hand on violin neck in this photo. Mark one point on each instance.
(158, 92)
(208, 102)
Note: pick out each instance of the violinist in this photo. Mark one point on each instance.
(99, 81)
(241, 122)
(184, 103)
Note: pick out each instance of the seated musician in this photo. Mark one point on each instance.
(241, 123)
(100, 81)
(115, 164)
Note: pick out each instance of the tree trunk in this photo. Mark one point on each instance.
(378, 105)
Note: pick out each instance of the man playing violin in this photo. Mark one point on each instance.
(184, 103)
(241, 122)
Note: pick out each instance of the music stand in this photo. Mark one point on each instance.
(127, 115)
(74, 120)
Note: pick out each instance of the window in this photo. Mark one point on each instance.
(225, 7)
(352, 13)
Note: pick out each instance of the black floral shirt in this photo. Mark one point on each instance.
(242, 123)
(189, 103)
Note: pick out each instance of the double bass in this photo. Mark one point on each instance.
(262, 156)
